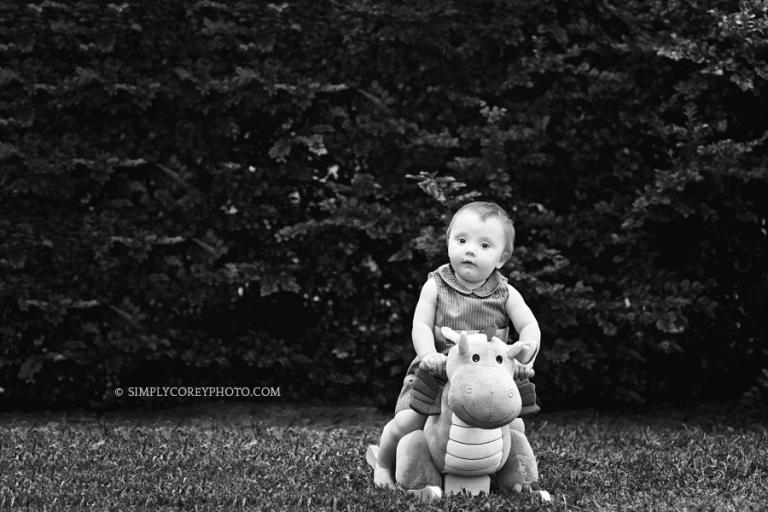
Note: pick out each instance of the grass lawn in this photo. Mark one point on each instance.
(252, 456)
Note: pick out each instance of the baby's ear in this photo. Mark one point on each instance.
(504, 259)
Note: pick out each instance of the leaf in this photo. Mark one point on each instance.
(280, 150)
(30, 368)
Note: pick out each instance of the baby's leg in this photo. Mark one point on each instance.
(404, 422)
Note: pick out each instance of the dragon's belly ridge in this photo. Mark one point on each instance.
(473, 451)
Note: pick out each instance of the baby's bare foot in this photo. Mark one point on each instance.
(383, 477)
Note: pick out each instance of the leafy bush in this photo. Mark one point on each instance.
(253, 193)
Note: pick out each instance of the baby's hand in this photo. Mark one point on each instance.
(523, 371)
(434, 363)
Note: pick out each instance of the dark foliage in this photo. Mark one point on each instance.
(252, 193)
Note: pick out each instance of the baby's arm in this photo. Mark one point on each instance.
(423, 335)
(526, 326)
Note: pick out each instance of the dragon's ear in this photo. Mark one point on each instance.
(515, 348)
(463, 344)
(450, 334)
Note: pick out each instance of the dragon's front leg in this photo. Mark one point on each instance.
(520, 472)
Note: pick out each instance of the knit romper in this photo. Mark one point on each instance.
(461, 309)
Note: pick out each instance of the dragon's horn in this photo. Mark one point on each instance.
(463, 344)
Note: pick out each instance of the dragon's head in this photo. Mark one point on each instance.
(482, 392)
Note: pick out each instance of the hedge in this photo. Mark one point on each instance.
(252, 193)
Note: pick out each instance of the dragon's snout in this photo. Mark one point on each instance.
(486, 399)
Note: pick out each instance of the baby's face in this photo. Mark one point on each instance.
(476, 247)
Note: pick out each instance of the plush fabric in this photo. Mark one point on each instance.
(474, 435)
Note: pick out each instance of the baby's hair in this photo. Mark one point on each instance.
(485, 209)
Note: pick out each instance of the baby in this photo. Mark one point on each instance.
(468, 294)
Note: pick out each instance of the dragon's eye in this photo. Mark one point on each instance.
(499, 359)
(475, 357)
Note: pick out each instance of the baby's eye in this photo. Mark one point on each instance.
(462, 240)
(485, 245)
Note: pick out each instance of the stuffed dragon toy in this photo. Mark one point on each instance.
(477, 434)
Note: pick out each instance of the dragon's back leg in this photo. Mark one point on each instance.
(520, 471)
(414, 469)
